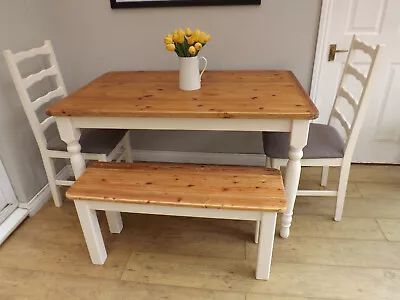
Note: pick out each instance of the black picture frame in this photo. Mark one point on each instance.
(170, 3)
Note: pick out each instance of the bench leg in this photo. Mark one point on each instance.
(91, 231)
(114, 221)
(267, 234)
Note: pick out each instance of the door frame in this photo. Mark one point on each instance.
(321, 48)
(12, 215)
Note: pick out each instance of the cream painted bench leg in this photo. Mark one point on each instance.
(95, 244)
(91, 231)
(114, 221)
(266, 244)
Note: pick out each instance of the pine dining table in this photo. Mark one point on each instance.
(270, 100)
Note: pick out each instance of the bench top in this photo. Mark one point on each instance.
(189, 185)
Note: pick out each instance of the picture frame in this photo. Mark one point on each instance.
(115, 4)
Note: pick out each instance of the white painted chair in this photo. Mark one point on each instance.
(103, 145)
(326, 147)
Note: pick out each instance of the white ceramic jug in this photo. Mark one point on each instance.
(189, 74)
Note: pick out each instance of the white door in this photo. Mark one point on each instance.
(8, 201)
(374, 22)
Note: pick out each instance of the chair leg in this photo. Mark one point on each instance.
(267, 234)
(268, 163)
(343, 180)
(324, 177)
(91, 231)
(114, 221)
(51, 177)
(127, 148)
(257, 233)
(274, 164)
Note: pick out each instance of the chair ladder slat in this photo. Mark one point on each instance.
(349, 97)
(346, 126)
(49, 96)
(367, 49)
(31, 79)
(350, 69)
(46, 123)
(20, 56)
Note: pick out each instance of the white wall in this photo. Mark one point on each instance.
(91, 39)
(22, 26)
(94, 39)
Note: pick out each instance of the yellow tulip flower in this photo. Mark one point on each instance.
(179, 38)
(188, 32)
(192, 50)
(198, 46)
(181, 32)
(196, 35)
(170, 47)
(208, 38)
(203, 37)
(190, 41)
(168, 39)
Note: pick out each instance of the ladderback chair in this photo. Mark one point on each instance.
(102, 145)
(326, 147)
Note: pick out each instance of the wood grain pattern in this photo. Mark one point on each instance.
(228, 187)
(46, 257)
(224, 94)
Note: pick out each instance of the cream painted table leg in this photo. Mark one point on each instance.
(298, 139)
(71, 135)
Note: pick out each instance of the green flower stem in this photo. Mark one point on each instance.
(186, 46)
(178, 49)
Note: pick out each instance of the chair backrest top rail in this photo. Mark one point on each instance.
(21, 56)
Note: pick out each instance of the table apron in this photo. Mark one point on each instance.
(283, 125)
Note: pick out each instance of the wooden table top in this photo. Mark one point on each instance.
(201, 186)
(224, 94)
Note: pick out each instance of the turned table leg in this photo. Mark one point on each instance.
(298, 139)
(71, 135)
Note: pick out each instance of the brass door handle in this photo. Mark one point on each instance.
(333, 51)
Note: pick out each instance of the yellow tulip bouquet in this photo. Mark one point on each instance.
(186, 43)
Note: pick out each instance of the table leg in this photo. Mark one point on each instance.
(298, 139)
(71, 135)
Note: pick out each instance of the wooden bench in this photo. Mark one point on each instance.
(221, 192)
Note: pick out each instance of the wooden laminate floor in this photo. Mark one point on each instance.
(157, 257)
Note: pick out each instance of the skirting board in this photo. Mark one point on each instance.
(199, 157)
(36, 203)
(12, 222)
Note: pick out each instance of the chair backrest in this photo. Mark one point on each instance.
(31, 106)
(352, 127)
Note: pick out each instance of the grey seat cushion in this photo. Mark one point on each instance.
(323, 142)
(99, 141)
